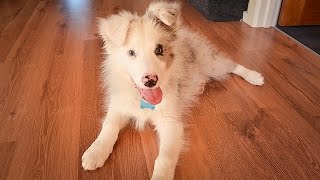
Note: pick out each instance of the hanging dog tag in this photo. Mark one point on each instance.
(144, 104)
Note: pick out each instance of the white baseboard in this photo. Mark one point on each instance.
(262, 13)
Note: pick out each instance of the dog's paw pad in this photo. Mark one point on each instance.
(254, 78)
(94, 158)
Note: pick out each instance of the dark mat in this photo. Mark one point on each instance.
(221, 10)
(307, 35)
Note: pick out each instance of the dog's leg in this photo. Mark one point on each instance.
(251, 76)
(99, 151)
(222, 66)
(171, 143)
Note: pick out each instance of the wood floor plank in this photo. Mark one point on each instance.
(149, 142)
(128, 158)
(91, 104)
(9, 11)
(46, 112)
(12, 29)
(7, 151)
(51, 100)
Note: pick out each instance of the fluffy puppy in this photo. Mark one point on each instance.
(153, 70)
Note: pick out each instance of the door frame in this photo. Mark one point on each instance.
(262, 13)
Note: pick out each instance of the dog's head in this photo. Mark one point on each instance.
(143, 46)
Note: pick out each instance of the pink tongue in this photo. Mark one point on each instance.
(153, 96)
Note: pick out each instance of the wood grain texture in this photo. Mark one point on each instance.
(15, 15)
(51, 100)
(7, 150)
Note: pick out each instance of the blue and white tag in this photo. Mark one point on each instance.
(146, 105)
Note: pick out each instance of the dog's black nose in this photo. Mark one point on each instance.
(150, 83)
(150, 80)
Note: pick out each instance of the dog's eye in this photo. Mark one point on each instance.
(131, 53)
(159, 50)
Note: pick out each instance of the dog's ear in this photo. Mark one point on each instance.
(115, 28)
(167, 13)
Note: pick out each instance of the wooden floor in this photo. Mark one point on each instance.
(51, 102)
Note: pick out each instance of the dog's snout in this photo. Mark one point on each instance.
(150, 80)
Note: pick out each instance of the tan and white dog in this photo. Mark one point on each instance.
(153, 70)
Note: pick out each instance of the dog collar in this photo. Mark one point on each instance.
(146, 105)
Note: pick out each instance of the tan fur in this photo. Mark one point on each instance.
(188, 62)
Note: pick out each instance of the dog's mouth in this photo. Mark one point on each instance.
(153, 96)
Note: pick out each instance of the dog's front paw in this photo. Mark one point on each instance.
(254, 78)
(95, 156)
